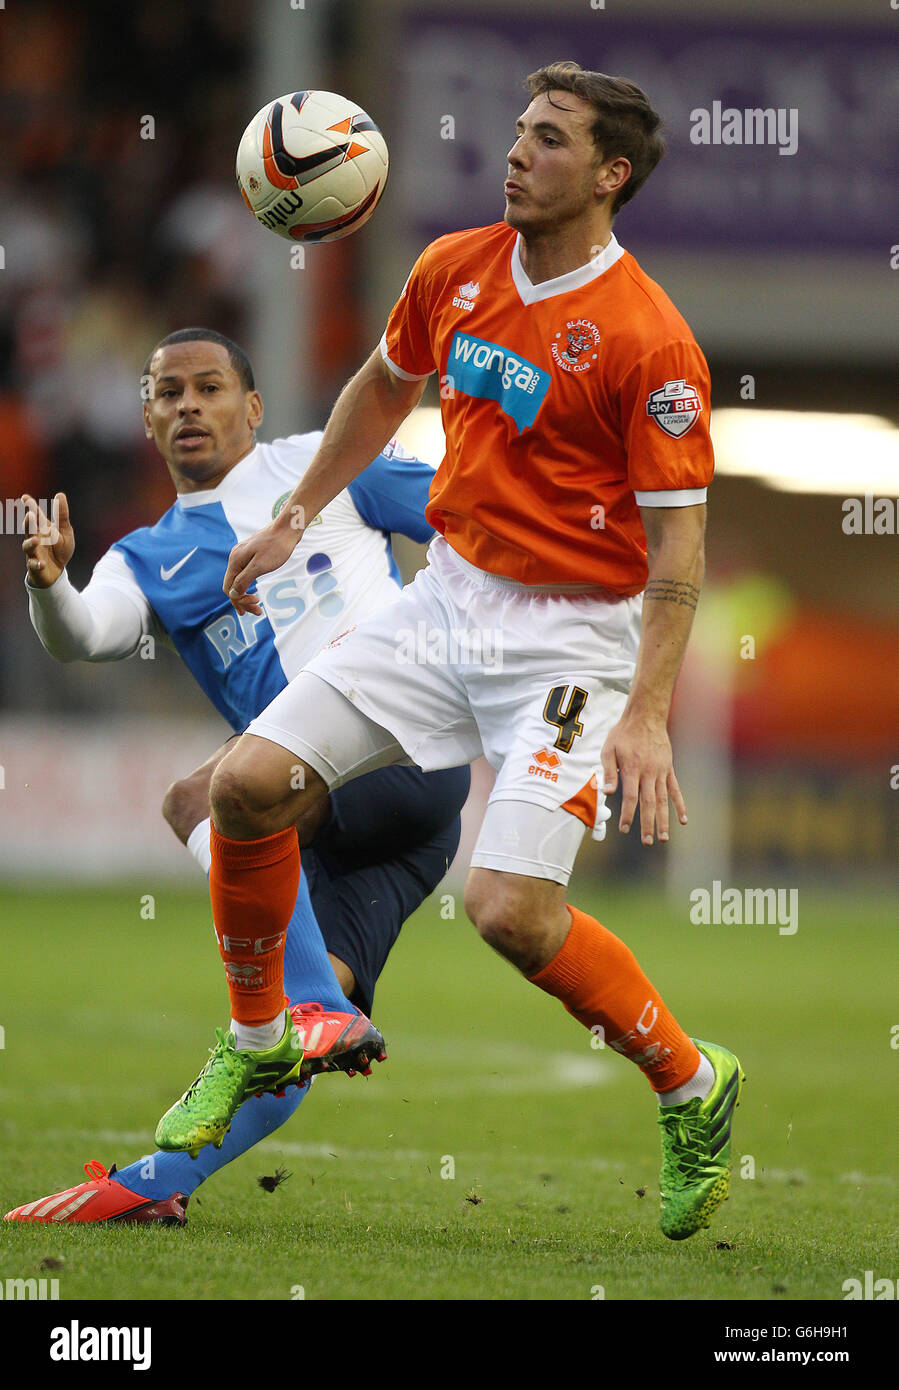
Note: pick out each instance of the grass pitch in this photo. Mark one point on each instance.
(552, 1145)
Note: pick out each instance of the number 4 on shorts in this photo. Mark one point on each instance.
(562, 710)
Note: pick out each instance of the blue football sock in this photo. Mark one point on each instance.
(308, 975)
(158, 1175)
(308, 972)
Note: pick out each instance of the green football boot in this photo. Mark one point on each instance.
(204, 1113)
(696, 1149)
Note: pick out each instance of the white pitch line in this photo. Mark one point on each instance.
(888, 1178)
(516, 1073)
(299, 1149)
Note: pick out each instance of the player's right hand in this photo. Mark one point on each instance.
(263, 552)
(49, 541)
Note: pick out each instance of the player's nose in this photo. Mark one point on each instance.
(516, 155)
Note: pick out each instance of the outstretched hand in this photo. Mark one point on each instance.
(49, 541)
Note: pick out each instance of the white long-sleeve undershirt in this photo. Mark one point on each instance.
(103, 622)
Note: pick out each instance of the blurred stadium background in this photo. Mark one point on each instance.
(116, 229)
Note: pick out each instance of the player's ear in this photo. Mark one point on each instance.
(254, 409)
(148, 428)
(612, 177)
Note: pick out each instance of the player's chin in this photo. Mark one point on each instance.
(198, 460)
(520, 220)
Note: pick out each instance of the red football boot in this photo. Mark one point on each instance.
(334, 1041)
(102, 1199)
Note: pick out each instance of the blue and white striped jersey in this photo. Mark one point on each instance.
(341, 571)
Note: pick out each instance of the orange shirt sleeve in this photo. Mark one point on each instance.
(406, 344)
(664, 402)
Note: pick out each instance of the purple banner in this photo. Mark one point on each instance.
(778, 136)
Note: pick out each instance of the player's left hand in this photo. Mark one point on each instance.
(263, 552)
(640, 750)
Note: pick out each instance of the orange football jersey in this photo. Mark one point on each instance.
(566, 405)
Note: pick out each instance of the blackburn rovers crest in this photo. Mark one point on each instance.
(278, 507)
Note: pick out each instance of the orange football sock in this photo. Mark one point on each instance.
(253, 886)
(599, 981)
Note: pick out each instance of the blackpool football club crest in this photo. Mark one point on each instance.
(675, 407)
(575, 349)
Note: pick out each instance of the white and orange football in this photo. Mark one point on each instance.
(312, 166)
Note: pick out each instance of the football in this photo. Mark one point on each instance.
(312, 166)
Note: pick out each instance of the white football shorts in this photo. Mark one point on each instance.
(464, 662)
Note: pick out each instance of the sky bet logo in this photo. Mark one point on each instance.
(675, 407)
(493, 373)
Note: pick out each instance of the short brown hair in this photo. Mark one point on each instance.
(625, 124)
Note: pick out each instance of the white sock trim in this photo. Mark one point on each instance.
(198, 844)
(700, 1083)
(258, 1038)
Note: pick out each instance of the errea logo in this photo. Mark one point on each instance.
(467, 295)
(548, 762)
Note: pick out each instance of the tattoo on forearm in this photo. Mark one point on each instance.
(674, 591)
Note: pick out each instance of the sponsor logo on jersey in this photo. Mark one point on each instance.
(166, 574)
(577, 354)
(466, 297)
(675, 407)
(544, 764)
(491, 372)
(394, 449)
(278, 507)
(282, 603)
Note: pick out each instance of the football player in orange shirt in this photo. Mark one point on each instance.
(547, 629)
